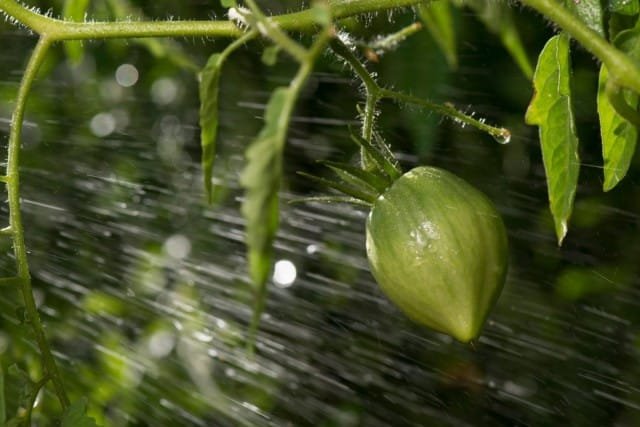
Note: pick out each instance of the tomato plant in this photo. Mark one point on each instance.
(444, 269)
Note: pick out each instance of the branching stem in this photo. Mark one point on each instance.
(375, 93)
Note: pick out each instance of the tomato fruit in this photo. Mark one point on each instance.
(438, 249)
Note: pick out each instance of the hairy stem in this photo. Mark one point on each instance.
(375, 93)
(304, 21)
(622, 68)
(15, 219)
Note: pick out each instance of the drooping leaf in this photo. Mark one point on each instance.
(437, 18)
(209, 87)
(588, 11)
(76, 415)
(497, 16)
(74, 10)
(619, 135)
(261, 180)
(551, 111)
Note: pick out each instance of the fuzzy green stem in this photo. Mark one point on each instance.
(372, 90)
(15, 219)
(304, 21)
(622, 68)
(500, 134)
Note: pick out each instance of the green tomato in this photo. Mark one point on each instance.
(438, 249)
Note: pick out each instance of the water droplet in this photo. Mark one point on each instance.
(504, 137)
(177, 246)
(284, 273)
(127, 75)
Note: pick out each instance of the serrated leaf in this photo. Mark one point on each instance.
(74, 10)
(550, 109)
(261, 180)
(209, 88)
(437, 18)
(618, 135)
(497, 16)
(589, 12)
(76, 415)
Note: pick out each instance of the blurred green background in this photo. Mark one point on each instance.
(143, 287)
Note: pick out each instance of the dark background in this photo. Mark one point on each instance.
(153, 333)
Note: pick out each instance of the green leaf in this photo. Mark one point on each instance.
(209, 88)
(618, 135)
(228, 3)
(438, 20)
(261, 180)
(589, 12)
(497, 16)
(550, 109)
(74, 10)
(617, 112)
(76, 415)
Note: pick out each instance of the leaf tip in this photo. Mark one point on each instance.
(561, 231)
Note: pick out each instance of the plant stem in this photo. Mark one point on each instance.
(304, 21)
(501, 134)
(624, 70)
(32, 399)
(372, 96)
(15, 219)
(269, 29)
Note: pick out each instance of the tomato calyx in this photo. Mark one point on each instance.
(361, 185)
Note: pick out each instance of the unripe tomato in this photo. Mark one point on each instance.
(438, 249)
